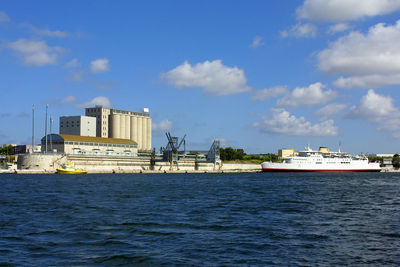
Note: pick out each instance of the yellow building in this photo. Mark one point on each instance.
(283, 153)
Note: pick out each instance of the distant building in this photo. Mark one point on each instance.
(102, 117)
(23, 149)
(387, 163)
(78, 125)
(284, 153)
(123, 124)
(88, 145)
(384, 155)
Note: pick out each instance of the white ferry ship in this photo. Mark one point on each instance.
(322, 161)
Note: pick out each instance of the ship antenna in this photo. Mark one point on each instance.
(340, 144)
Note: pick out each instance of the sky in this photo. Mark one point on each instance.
(258, 75)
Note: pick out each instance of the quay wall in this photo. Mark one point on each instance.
(241, 166)
(48, 163)
(133, 165)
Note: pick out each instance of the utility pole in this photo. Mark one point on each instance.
(45, 131)
(33, 127)
(51, 143)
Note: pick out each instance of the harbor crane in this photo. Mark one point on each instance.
(171, 151)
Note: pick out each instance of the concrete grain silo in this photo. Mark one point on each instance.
(122, 124)
(115, 126)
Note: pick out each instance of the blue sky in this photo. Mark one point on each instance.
(258, 75)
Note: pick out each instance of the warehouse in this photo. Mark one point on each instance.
(87, 145)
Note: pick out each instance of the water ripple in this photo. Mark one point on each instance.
(200, 220)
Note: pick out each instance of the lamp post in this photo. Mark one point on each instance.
(45, 131)
(33, 127)
(51, 143)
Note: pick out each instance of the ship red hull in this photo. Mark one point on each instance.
(309, 170)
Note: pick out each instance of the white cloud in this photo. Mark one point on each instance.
(212, 76)
(104, 85)
(373, 105)
(379, 110)
(76, 76)
(56, 33)
(307, 96)
(306, 30)
(4, 17)
(73, 63)
(331, 109)
(371, 59)
(36, 53)
(282, 122)
(97, 101)
(45, 31)
(284, 34)
(368, 81)
(68, 99)
(339, 27)
(100, 65)
(268, 93)
(257, 42)
(345, 10)
(163, 126)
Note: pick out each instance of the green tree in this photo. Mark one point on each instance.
(7, 150)
(396, 161)
(222, 153)
(240, 154)
(230, 153)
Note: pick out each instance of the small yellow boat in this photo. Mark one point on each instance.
(68, 169)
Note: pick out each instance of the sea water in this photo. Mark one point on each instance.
(243, 219)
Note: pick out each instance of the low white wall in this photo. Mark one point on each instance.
(40, 161)
(96, 164)
(102, 164)
(240, 166)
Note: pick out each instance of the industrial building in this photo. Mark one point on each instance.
(78, 125)
(88, 145)
(123, 124)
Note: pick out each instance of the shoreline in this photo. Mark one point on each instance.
(132, 172)
(152, 171)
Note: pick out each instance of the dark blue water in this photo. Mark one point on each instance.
(200, 219)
